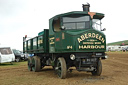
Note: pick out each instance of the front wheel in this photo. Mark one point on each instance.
(61, 68)
(98, 70)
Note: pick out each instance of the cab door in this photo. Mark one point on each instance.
(58, 41)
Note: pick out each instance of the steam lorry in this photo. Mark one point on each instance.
(74, 39)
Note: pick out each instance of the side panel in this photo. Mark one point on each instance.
(51, 43)
(84, 41)
(64, 42)
(37, 44)
(58, 40)
(34, 44)
(46, 41)
(40, 43)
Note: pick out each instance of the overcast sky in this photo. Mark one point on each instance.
(28, 17)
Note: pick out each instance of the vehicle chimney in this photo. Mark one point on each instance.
(86, 7)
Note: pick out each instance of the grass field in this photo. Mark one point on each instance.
(119, 43)
(13, 64)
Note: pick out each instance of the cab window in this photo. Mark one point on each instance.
(82, 22)
(56, 24)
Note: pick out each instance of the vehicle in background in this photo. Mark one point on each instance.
(117, 48)
(6, 55)
(18, 55)
(26, 55)
(125, 49)
(113, 48)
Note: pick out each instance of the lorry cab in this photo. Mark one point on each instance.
(6, 55)
(77, 20)
(77, 31)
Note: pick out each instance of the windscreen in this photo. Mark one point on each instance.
(96, 24)
(82, 22)
(5, 51)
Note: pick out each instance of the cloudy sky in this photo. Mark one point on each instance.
(28, 17)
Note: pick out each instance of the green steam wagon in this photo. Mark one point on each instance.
(74, 39)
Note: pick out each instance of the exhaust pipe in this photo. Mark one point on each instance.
(86, 7)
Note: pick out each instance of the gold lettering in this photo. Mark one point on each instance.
(96, 46)
(69, 47)
(82, 37)
(102, 46)
(100, 37)
(88, 46)
(85, 46)
(79, 40)
(91, 47)
(97, 42)
(89, 35)
(102, 40)
(82, 47)
(88, 43)
(79, 46)
(93, 35)
(52, 38)
(97, 35)
(86, 36)
(51, 42)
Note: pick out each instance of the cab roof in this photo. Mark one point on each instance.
(72, 13)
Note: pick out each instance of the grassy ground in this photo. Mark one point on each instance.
(117, 52)
(115, 72)
(13, 64)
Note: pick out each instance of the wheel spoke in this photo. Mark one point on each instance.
(61, 65)
(59, 73)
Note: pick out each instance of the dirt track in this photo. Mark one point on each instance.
(115, 72)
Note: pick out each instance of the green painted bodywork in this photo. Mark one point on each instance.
(70, 43)
(37, 44)
(41, 33)
(67, 41)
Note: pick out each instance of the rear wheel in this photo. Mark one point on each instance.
(61, 68)
(29, 63)
(36, 64)
(98, 70)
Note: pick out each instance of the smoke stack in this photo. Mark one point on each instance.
(86, 7)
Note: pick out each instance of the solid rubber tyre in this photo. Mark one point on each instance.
(36, 64)
(62, 68)
(29, 63)
(98, 70)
